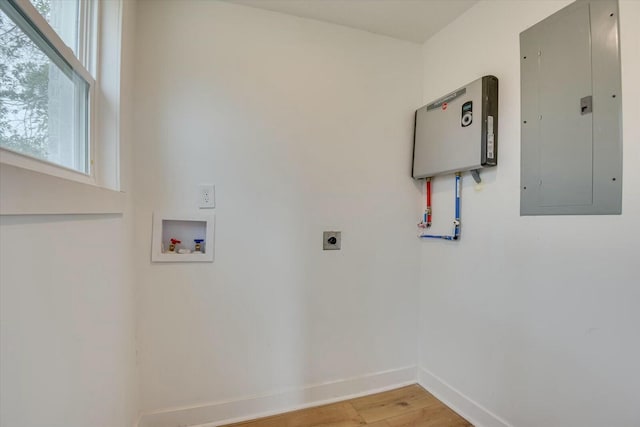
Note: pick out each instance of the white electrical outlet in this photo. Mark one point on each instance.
(206, 196)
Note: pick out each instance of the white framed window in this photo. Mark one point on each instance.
(84, 162)
(48, 51)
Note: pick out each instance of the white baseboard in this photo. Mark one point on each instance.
(236, 410)
(473, 412)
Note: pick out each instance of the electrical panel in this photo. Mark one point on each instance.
(571, 143)
(458, 132)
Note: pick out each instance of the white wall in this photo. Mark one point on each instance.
(68, 355)
(534, 318)
(67, 334)
(303, 127)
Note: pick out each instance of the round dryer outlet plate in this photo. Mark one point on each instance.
(331, 240)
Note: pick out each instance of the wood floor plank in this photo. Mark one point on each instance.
(435, 416)
(398, 393)
(410, 406)
(340, 414)
(393, 403)
(382, 423)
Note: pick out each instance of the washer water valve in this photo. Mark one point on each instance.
(172, 246)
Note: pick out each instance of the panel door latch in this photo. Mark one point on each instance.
(586, 105)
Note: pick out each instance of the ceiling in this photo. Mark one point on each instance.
(412, 20)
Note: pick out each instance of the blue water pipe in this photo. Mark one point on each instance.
(456, 221)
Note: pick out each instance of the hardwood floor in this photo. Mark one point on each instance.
(410, 406)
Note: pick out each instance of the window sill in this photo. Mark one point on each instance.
(26, 192)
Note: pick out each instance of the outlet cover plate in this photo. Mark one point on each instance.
(206, 196)
(331, 240)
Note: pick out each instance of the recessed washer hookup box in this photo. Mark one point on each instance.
(458, 132)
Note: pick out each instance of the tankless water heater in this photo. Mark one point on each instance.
(458, 132)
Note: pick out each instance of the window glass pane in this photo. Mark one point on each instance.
(43, 102)
(62, 15)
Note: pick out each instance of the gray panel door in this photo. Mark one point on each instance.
(566, 142)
